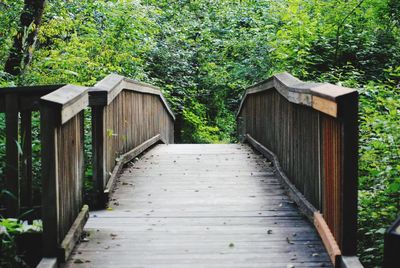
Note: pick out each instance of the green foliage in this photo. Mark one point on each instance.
(83, 41)
(9, 229)
(196, 125)
(379, 194)
(202, 53)
(9, 19)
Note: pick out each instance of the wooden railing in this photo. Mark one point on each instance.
(62, 139)
(18, 104)
(128, 117)
(310, 132)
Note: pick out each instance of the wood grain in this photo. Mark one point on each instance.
(12, 156)
(126, 122)
(199, 206)
(312, 129)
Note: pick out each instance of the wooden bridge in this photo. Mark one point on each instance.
(285, 197)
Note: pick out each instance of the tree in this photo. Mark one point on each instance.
(25, 39)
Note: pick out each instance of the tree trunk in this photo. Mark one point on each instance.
(25, 39)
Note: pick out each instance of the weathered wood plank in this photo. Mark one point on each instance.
(26, 163)
(105, 91)
(68, 100)
(327, 238)
(98, 160)
(298, 197)
(350, 262)
(12, 156)
(74, 234)
(326, 106)
(204, 219)
(123, 159)
(48, 263)
(50, 200)
(315, 142)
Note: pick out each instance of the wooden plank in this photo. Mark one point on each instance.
(288, 86)
(123, 159)
(178, 220)
(299, 92)
(331, 92)
(70, 172)
(26, 163)
(350, 262)
(12, 156)
(327, 238)
(323, 105)
(105, 91)
(36, 90)
(48, 263)
(68, 100)
(65, 95)
(349, 116)
(149, 89)
(98, 148)
(72, 109)
(305, 206)
(50, 200)
(74, 234)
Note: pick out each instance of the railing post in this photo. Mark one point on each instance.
(50, 200)
(349, 106)
(12, 155)
(99, 164)
(62, 169)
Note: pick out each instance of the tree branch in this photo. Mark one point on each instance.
(340, 25)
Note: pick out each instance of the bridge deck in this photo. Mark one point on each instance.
(200, 206)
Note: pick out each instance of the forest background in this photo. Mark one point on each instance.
(204, 53)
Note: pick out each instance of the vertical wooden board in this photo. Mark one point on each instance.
(291, 131)
(348, 112)
(70, 166)
(135, 123)
(331, 158)
(50, 175)
(26, 161)
(123, 126)
(128, 121)
(98, 149)
(106, 143)
(12, 155)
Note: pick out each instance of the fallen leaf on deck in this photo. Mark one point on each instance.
(288, 240)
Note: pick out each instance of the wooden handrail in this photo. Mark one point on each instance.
(310, 131)
(30, 90)
(62, 139)
(18, 103)
(104, 92)
(324, 97)
(67, 101)
(127, 117)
